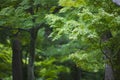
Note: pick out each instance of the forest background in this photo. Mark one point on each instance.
(59, 40)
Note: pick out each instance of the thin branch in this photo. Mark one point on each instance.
(115, 53)
(103, 51)
(37, 27)
(10, 28)
(108, 57)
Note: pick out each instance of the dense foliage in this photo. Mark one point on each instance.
(75, 39)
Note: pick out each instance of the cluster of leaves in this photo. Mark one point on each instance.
(73, 3)
(48, 70)
(5, 61)
(21, 16)
(86, 22)
(92, 59)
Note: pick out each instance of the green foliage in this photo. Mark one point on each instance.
(76, 30)
(20, 16)
(5, 61)
(93, 59)
(48, 70)
(73, 28)
(46, 2)
(8, 78)
(86, 23)
(71, 3)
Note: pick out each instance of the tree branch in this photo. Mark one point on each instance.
(37, 27)
(10, 28)
(108, 57)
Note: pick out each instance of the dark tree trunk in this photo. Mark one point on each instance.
(107, 52)
(117, 57)
(76, 72)
(33, 35)
(77, 75)
(117, 66)
(16, 60)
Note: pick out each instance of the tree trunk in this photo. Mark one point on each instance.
(107, 52)
(117, 66)
(117, 57)
(108, 72)
(33, 35)
(16, 60)
(76, 72)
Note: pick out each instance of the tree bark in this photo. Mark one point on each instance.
(77, 73)
(109, 72)
(109, 75)
(117, 66)
(16, 60)
(33, 35)
(117, 57)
